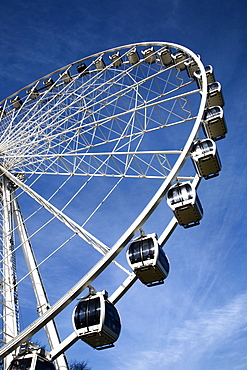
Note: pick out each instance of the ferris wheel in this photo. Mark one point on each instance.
(87, 153)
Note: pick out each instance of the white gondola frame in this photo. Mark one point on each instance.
(188, 211)
(215, 97)
(98, 336)
(214, 125)
(206, 160)
(149, 271)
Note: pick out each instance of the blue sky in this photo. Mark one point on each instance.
(198, 319)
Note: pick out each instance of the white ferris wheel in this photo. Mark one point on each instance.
(77, 147)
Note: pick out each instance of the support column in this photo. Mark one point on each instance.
(37, 283)
(8, 279)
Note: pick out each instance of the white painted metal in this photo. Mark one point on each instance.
(10, 325)
(51, 154)
(37, 283)
(94, 242)
(126, 285)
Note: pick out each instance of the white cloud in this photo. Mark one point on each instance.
(188, 344)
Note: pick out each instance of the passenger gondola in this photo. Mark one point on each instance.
(133, 56)
(165, 56)
(148, 260)
(214, 125)
(99, 63)
(16, 102)
(116, 60)
(31, 357)
(66, 76)
(191, 67)
(179, 58)
(185, 204)
(48, 83)
(82, 69)
(209, 74)
(149, 55)
(205, 158)
(215, 97)
(96, 320)
(33, 93)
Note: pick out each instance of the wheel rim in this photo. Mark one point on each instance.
(99, 125)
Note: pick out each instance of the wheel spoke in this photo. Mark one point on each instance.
(90, 152)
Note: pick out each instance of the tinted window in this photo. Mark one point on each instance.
(207, 146)
(22, 364)
(44, 365)
(207, 69)
(174, 195)
(163, 260)
(186, 192)
(197, 149)
(147, 249)
(94, 311)
(214, 86)
(80, 315)
(180, 193)
(87, 313)
(134, 252)
(112, 319)
(141, 250)
(212, 112)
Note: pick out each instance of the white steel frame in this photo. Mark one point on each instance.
(21, 153)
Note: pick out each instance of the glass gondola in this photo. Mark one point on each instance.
(215, 97)
(209, 74)
(185, 204)
(205, 158)
(133, 56)
(66, 76)
(33, 93)
(48, 83)
(214, 125)
(97, 321)
(82, 69)
(16, 102)
(148, 260)
(165, 56)
(179, 58)
(99, 63)
(149, 55)
(116, 59)
(191, 67)
(31, 357)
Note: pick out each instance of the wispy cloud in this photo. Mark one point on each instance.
(187, 344)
